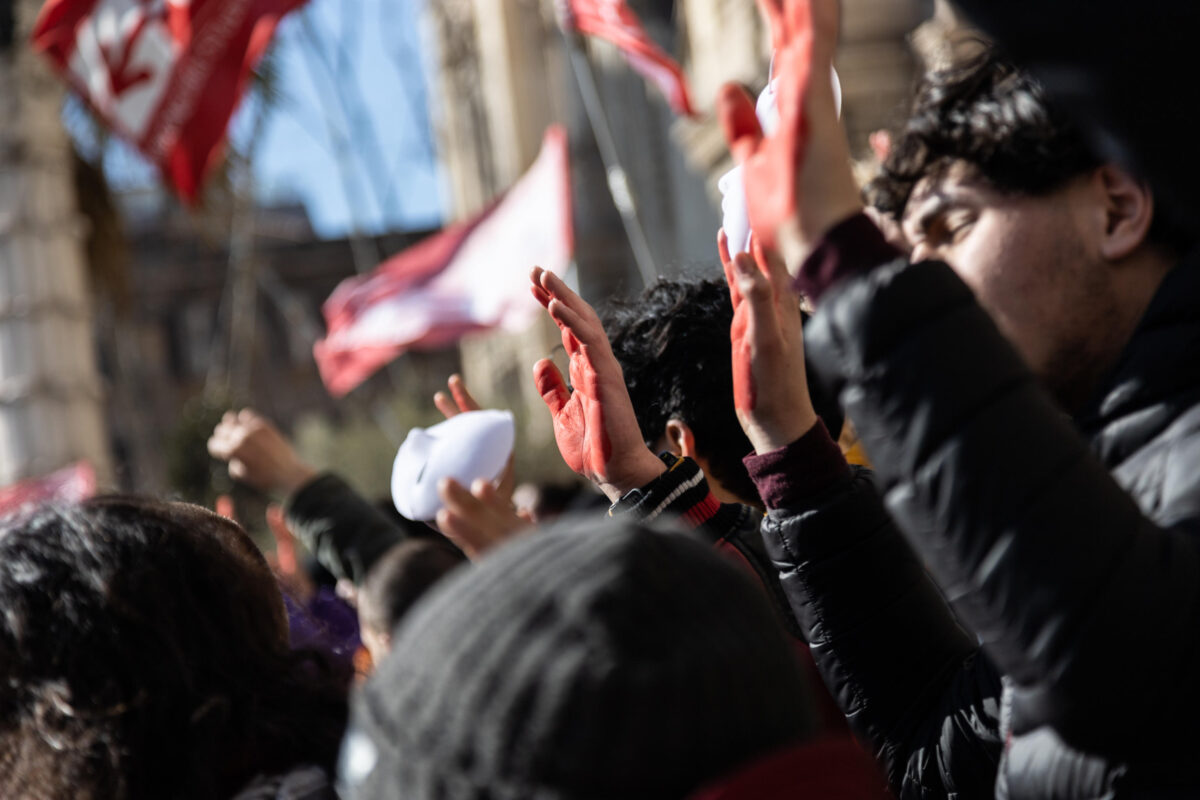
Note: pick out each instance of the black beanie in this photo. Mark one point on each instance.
(591, 660)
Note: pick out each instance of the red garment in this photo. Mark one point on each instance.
(828, 769)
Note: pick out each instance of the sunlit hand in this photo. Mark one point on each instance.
(594, 425)
(799, 182)
(770, 389)
(258, 454)
(479, 519)
(462, 402)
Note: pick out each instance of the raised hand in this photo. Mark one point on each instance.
(799, 182)
(258, 454)
(594, 425)
(463, 401)
(770, 390)
(479, 519)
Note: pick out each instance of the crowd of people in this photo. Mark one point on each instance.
(999, 605)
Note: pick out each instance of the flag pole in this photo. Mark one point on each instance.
(618, 180)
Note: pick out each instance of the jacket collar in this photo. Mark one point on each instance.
(1158, 374)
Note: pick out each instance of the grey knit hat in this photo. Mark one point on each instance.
(592, 660)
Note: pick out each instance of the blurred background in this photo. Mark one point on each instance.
(129, 321)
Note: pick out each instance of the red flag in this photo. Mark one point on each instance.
(71, 484)
(164, 74)
(470, 277)
(615, 22)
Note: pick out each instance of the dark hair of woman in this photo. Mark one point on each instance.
(144, 649)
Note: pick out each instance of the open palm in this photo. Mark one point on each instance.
(594, 425)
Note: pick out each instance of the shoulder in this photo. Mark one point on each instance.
(1163, 476)
(301, 783)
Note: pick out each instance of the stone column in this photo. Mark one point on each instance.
(51, 403)
(877, 64)
(501, 75)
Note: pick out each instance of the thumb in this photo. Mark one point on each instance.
(550, 385)
(739, 121)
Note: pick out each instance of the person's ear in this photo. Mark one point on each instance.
(681, 441)
(1128, 211)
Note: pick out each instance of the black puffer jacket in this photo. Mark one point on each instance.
(1072, 550)
(343, 530)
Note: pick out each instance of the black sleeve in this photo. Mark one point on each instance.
(910, 680)
(344, 531)
(1074, 593)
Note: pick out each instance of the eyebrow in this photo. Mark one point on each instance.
(935, 205)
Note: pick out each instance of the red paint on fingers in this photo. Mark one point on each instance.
(773, 165)
(550, 385)
(745, 392)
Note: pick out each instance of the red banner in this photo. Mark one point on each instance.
(470, 277)
(615, 22)
(164, 74)
(72, 484)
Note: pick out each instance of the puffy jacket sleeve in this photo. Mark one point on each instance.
(344, 531)
(909, 679)
(681, 496)
(1085, 604)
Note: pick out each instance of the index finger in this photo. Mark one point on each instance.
(462, 398)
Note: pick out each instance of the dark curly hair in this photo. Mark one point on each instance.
(672, 342)
(987, 114)
(145, 654)
(991, 116)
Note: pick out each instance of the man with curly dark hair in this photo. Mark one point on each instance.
(683, 398)
(1026, 383)
(989, 178)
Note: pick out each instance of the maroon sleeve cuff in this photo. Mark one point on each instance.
(809, 466)
(852, 246)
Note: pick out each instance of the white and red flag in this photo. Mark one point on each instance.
(72, 484)
(615, 22)
(470, 277)
(166, 75)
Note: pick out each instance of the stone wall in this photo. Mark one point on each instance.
(51, 401)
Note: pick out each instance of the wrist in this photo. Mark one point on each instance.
(641, 471)
(768, 437)
(292, 480)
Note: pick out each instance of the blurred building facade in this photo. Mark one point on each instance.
(51, 398)
(165, 341)
(502, 74)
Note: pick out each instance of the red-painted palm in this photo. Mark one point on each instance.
(594, 425)
(767, 349)
(798, 181)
